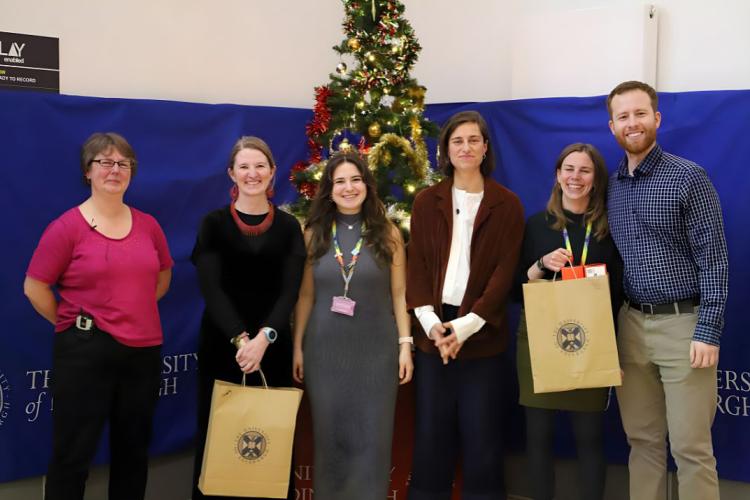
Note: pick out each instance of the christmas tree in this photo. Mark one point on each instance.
(375, 106)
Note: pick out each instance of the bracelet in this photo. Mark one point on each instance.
(540, 264)
(237, 340)
(405, 340)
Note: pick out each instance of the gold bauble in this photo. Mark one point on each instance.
(341, 68)
(353, 44)
(374, 130)
(361, 104)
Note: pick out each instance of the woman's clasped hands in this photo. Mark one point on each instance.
(446, 340)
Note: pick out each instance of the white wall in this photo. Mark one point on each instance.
(273, 52)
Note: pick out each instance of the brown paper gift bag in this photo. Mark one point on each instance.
(571, 334)
(249, 441)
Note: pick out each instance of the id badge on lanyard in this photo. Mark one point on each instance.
(342, 304)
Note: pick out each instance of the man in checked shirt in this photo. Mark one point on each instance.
(666, 221)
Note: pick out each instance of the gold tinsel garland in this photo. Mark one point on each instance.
(416, 157)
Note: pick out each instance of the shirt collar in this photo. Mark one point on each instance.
(645, 167)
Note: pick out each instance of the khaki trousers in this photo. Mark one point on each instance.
(661, 394)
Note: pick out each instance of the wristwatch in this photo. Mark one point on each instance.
(270, 333)
(540, 264)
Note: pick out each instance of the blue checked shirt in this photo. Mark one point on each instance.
(666, 222)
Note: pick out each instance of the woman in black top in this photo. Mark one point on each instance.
(249, 256)
(576, 205)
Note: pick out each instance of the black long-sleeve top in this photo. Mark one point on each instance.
(540, 239)
(247, 282)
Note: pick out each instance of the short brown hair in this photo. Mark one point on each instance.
(444, 161)
(596, 212)
(633, 85)
(100, 142)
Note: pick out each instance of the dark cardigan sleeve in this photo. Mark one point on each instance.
(291, 277)
(501, 282)
(207, 259)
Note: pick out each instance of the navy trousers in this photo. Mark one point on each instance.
(459, 409)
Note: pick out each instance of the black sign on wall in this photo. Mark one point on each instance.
(29, 62)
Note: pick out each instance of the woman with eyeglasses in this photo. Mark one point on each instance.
(109, 264)
(249, 257)
(466, 234)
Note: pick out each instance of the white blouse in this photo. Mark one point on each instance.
(466, 206)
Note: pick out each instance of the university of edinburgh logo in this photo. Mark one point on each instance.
(571, 337)
(252, 445)
(4, 400)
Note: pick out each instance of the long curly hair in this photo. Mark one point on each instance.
(378, 234)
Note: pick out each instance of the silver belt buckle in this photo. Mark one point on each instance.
(84, 323)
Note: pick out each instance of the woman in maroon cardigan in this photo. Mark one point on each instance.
(466, 235)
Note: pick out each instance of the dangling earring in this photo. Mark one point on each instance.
(484, 156)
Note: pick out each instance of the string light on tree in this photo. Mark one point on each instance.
(374, 130)
(373, 101)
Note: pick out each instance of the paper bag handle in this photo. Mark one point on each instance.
(572, 267)
(262, 377)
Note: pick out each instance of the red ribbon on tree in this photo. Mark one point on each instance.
(319, 124)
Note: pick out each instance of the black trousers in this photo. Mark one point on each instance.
(458, 407)
(96, 380)
(588, 428)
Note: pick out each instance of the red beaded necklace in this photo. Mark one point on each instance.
(247, 229)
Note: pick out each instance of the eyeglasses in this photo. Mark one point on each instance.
(110, 164)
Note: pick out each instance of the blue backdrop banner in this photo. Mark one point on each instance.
(182, 150)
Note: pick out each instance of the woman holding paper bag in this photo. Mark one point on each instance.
(249, 256)
(352, 344)
(571, 231)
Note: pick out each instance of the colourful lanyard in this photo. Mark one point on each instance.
(347, 270)
(585, 251)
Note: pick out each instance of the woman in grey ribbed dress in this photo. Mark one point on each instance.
(351, 364)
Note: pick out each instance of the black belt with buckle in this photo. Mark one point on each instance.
(84, 322)
(683, 306)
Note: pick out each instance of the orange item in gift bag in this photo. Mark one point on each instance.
(588, 271)
(572, 273)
